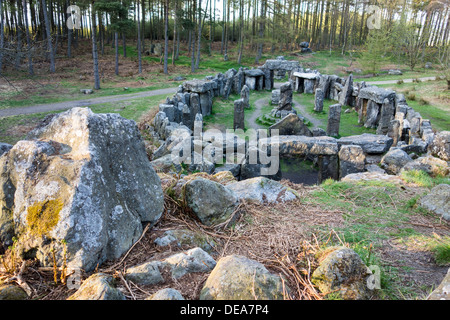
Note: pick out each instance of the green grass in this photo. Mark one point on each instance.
(10, 127)
(422, 179)
(349, 121)
(366, 228)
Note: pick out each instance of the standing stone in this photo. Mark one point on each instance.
(394, 131)
(387, 115)
(285, 102)
(206, 103)
(324, 85)
(309, 86)
(275, 99)
(318, 101)
(245, 95)
(373, 110)
(187, 117)
(238, 122)
(351, 160)
(345, 98)
(229, 78)
(238, 81)
(334, 118)
(250, 82)
(195, 103)
(198, 126)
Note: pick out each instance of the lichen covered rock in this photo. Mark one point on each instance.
(99, 286)
(236, 277)
(210, 201)
(82, 185)
(438, 201)
(343, 271)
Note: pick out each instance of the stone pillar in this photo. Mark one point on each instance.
(345, 98)
(245, 95)
(275, 96)
(285, 102)
(318, 100)
(387, 115)
(373, 109)
(351, 160)
(239, 122)
(394, 131)
(334, 119)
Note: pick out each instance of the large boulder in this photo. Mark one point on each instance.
(262, 190)
(441, 145)
(99, 286)
(370, 143)
(394, 161)
(84, 183)
(438, 201)
(291, 124)
(343, 271)
(210, 201)
(236, 277)
(12, 292)
(351, 160)
(429, 164)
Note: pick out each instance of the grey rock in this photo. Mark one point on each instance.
(318, 100)
(429, 164)
(291, 125)
(394, 161)
(147, 273)
(12, 292)
(334, 119)
(94, 182)
(99, 286)
(245, 95)
(184, 237)
(285, 102)
(239, 278)
(395, 72)
(210, 201)
(192, 261)
(376, 94)
(262, 190)
(275, 99)
(238, 119)
(441, 145)
(351, 160)
(346, 94)
(198, 86)
(166, 294)
(342, 271)
(438, 201)
(386, 116)
(371, 143)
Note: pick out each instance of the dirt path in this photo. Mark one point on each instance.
(82, 103)
(87, 102)
(395, 81)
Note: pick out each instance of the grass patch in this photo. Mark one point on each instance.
(422, 179)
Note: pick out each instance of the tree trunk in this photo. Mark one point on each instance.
(49, 37)
(139, 40)
(94, 50)
(2, 36)
(116, 45)
(27, 32)
(166, 35)
(174, 33)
